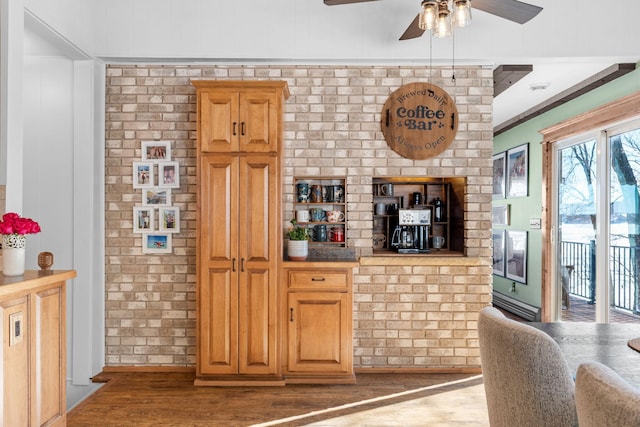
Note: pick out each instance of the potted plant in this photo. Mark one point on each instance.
(298, 247)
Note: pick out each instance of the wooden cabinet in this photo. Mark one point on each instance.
(239, 233)
(33, 363)
(326, 208)
(320, 331)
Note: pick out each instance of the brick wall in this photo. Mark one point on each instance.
(415, 313)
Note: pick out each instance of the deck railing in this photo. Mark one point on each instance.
(623, 273)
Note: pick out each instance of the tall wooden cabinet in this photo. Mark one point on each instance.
(238, 231)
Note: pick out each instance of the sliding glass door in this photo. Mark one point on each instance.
(597, 234)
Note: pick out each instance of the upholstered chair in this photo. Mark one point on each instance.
(604, 399)
(526, 378)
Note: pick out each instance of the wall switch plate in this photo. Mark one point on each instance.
(535, 223)
(15, 328)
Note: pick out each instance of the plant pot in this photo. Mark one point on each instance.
(13, 248)
(298, 250)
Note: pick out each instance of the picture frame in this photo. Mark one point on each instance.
(143, 176)
(497, 237)
(169, 174)
(143, 219)
(516, 260)
(156, 243)
(169, 219)
(499, 183)
(156, 196)
(518, 171)
(156, 151)
(500, 215)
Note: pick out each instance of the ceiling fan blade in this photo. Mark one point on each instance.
(513, 10)
(413, 30)
(339, 2)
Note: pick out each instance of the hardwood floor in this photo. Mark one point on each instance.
(171, 399)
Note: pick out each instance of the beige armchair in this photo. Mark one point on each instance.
(604, 399)
(527, 380)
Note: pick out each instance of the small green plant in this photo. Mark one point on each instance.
(297, 232)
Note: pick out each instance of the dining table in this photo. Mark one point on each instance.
(607, 343)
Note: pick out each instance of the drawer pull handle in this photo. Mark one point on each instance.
(317, 279)
(291, 318)
(234, 128)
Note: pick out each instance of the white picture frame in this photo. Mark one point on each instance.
(156, 243)
(156, 196)
(518, 171)
(143, 174)
(156, 151)
(169, 219)
(143, 219)
(169, 174)
(516, 250)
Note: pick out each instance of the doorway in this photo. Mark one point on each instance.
(595, 226)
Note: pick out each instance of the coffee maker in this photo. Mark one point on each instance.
(411, 236)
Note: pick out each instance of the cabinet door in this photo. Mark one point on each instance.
(218, 266)
(259, 123)
(319, 341)
(218, 122)
(258, 349)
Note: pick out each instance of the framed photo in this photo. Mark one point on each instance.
(518, 171)
(156, 150)
(156, 243)
(169, 174)
(143, 174)
(500, 215)
(143, 219)
(516, 245)
(499, 166)
(498, 252)
(169, 219)
(156, 196)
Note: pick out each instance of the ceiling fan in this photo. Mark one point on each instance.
(513, 10)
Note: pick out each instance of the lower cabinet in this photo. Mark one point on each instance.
(319, 345)
(32, 359)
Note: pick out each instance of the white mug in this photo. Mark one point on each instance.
(302, 216)
(335, 216)
(381, 209)
(438, 242)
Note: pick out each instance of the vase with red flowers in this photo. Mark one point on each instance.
(13, 229)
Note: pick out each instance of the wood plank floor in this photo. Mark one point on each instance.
(171, 399)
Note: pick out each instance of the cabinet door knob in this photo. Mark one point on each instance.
(234, 128)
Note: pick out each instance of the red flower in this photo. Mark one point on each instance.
(12, 223)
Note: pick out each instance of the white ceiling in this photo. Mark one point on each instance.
(565, 43)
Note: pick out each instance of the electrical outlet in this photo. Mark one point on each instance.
(16, 325)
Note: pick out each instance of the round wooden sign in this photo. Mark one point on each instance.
(419, 121)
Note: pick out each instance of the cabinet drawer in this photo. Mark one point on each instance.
(319, 280)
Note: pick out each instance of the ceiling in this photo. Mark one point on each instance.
(558, 49)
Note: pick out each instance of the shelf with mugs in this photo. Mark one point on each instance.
(320, 205)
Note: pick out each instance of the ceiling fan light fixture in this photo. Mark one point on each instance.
(443, 22)
(428, 15)
(461, 13)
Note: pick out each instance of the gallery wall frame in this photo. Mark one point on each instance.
(157, 151)
(156, 243)
(497, 237)
(156, 196)
(143, 219)
(516, 255)
(518, 171)
(169, 174)
(143, 176)
(169, 219)
(499, 183)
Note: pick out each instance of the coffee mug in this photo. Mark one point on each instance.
(381, 208)
(335, 216)
(378, 241)
(337, 234)
(320, 233)
(386, 189)
(317, 215)
(316, 194)
(302, 216)
(438, 242)
(302, 190)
